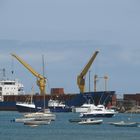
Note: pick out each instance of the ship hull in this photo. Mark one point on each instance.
(71, 100)
(8, 106)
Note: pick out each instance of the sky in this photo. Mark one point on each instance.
(67, 33)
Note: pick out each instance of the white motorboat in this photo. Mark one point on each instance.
(98, 111)
(90, 121)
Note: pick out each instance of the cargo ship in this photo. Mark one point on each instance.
(8, 99)
(11, 91)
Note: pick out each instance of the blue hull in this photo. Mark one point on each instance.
(8, 106)
(70, 101)
(52, 109)
(98, 115)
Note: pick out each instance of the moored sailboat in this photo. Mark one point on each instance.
(28, 105)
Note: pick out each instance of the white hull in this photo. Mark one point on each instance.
(90, 121)
(125, 124)
(30, 105)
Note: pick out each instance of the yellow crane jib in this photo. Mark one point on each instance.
(81, 76)
(41, 80)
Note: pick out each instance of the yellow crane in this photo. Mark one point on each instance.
(41, 80)
(81, 76)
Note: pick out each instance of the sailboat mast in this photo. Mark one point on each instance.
(32, 94)
(43, 76)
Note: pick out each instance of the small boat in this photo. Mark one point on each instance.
(28, 105)
(23, 120)
(125, 124)
(90, 121)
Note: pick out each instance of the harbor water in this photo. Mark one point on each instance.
(62, 129)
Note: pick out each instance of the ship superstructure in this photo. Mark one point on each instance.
(10, 87)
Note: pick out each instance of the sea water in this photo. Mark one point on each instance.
(62, 129)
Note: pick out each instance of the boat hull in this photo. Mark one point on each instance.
(90, 122)
(26, 109)
(125, 124)
(97, 115)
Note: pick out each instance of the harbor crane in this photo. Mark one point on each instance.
(81, 76)
(41, 80)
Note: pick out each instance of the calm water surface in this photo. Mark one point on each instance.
(62, 129)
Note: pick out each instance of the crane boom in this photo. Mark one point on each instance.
(81, 76)
(41, 80)
(27, 66)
